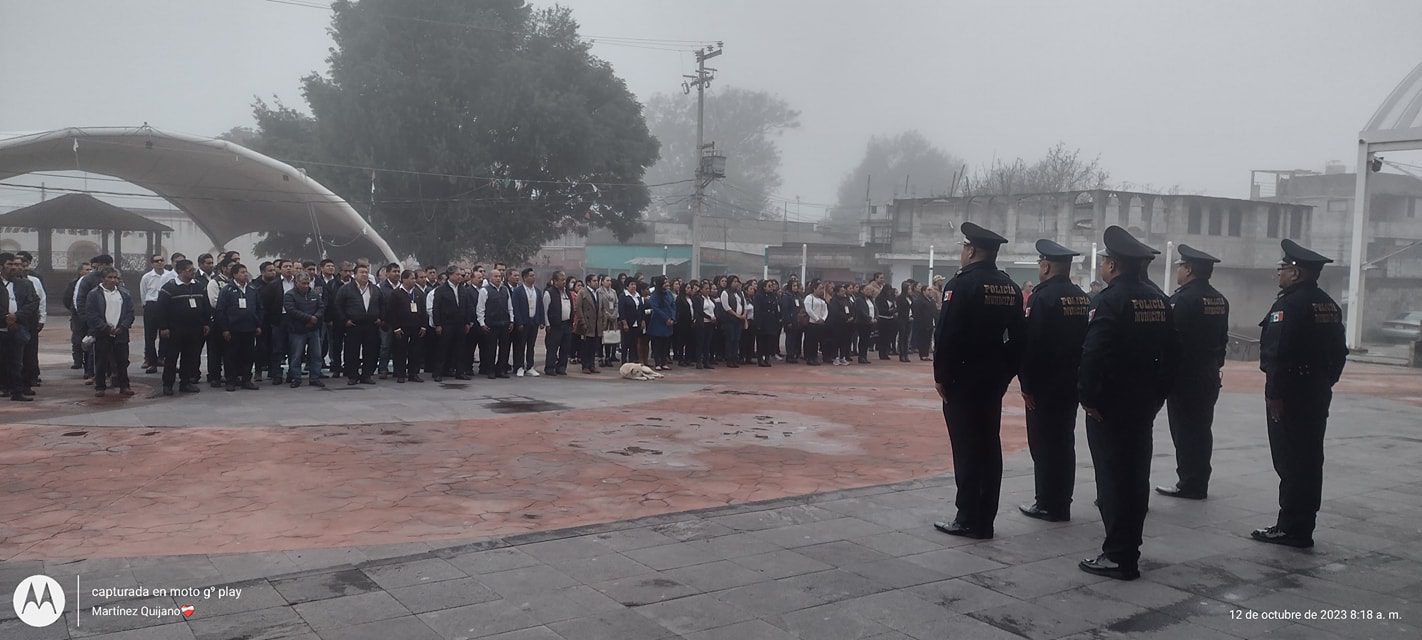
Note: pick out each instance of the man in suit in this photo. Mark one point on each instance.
(449, 314)
(557, 313)
(360, 304)
(405, 317)
(183, 324)
(587, 327)
(528, 317)
(110, 315)
(473, 290)
(19, 304)
(324, 280)
(81, 297)
(77, 327)
(275, 326)
(389, 280)
(31, 370)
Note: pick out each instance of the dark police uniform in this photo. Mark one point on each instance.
(1302, 353)
(978, 340)
(1051, 353)
(183, 311)
(1201, 316)
(1127, 365)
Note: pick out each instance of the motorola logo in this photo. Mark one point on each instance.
(39, 601)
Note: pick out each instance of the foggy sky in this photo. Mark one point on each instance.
(1192, 93)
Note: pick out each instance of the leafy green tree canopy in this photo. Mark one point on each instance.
(492, 126)
(894, 166)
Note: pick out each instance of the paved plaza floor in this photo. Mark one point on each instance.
(755, 503)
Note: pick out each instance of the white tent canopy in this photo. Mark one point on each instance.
(227, 189)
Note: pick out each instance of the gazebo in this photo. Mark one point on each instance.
(78, 212)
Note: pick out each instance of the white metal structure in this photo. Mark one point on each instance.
(227, 189)
(1397, 126)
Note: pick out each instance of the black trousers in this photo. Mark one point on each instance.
(748, 342)
(449, 357)
(185, 346)
(588, 348)
(866, 338)
(702, 353)
(630, 336)
(974, 418)
(767, 344)
(77, 331)
(905, 331)
(888, 330)
(524, 337)
(150, 334)
(794, 340)
(406, 352)
(1120, 453)
(216, 347)
(238, 354)
(279, 345)
(814, 333)
(31, 364)
(12, 352)
(362, 350)
(731, 330)
(263, 357)
(557, 345)
(661, 350)
(1051, 438)
(478, 350)
(337, 332)
(683, 341)
(923, 339)
(111, 359)
(1191, 411)
(1296, 444)
(497, 341)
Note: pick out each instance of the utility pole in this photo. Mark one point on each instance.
(708, 166)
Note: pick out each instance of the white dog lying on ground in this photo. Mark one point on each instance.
(636, 371)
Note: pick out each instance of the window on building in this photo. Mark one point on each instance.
(1216, 221)
(1296, 223)
(1194, 227)
(880, 234)
(1236, 221)
(1273, 222)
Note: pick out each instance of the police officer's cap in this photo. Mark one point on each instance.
(980, 237)
(1121, 244)
(1301, 256)
(1191, 254)
(1054, 252)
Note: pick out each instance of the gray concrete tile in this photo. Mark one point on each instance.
(801, 535)
(531, 633)
(918, 618)
(672, 556)
(694, 613)
(775, 518)
(781, 564)
(350, 610)
(636, 538)
(92, 625)
(1032, 620)
(13, 628)
(842, 553)
(257, 594)
(736, 545)
(640, 590)
(895, 543)
(478, 620)
(1036, 579)
(960, 596)
(324, 585)
(311, 559)
(764, 599)
(174, 631)
(714, 576)
(534, 579)
(833, 585)
(895, 572)
(688, 530)
(617, 625)
(829, 622)
(757, 629)
(404, 574)
(952, 563)
(564, 604)
(404, 628)
(491, 561)
(1090, 605)
(556, 551)
(602, 568)
(272, 622)
(446, 594)
(240, 567)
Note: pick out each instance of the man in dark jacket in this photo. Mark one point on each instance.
(19, 311)
(1051, 354)
(558, 314)
(904, 313)
(528, 318)
(77, 326)
(495, 314)
(239, 318)
(1202, 322)
(886, 313)
(978, 349)
(767, 321)
(451, 319)
(183, 323)
(405, 317)
(1302, 353)
(1128, 363)
(360, 307)
(81, 297)
(304, 310)
(109, 311)
(272, 305)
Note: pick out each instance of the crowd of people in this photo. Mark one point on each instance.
(298, 322)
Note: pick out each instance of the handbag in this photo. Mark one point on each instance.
(612, 336)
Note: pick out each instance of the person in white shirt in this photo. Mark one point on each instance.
(817, 310)
(527, 301)
(148, 288)
(110, 312)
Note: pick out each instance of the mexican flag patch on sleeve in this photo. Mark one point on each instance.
(948, 296)
(1277, 316)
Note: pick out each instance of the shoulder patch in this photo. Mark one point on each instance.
(1091, 315)
(1028, 312)
(948, 295)
(1277, 316)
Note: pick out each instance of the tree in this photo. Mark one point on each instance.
(744, 125)
(1061, 169)
(491, 127)
(889, 162)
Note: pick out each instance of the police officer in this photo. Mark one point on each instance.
(1127, 364)
(1302, 352)
(978, 340)
(1051, 353)
(1201, 316)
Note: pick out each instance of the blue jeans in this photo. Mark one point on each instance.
(309, 345)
